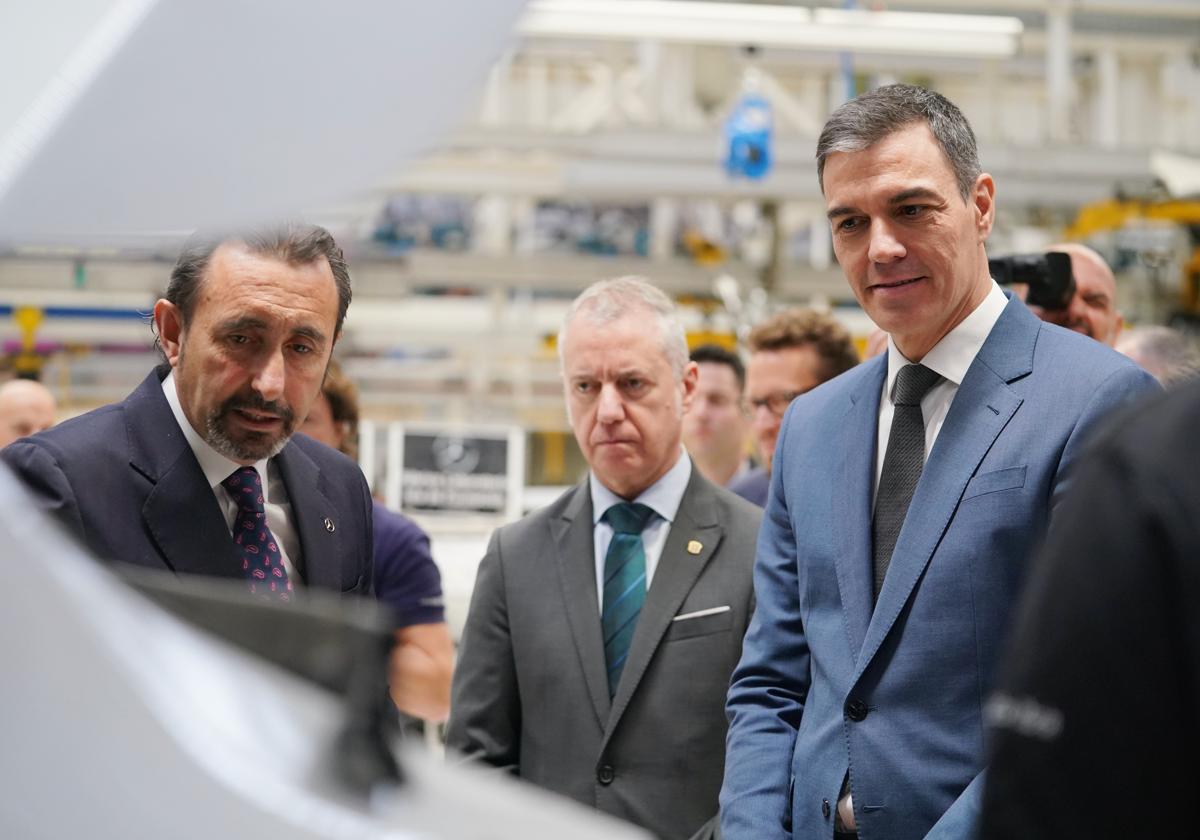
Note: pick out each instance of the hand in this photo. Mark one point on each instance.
(421, 667)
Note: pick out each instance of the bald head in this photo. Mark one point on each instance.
(25, 407)
(1093, 309)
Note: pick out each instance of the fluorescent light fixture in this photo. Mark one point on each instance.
(782, 27)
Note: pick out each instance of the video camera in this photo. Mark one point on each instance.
(1051, 283)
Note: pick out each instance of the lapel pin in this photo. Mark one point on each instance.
(329, 526)
(694, 546)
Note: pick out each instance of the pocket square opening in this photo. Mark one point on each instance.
(701, 613)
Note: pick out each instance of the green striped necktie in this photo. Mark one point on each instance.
(624, 584)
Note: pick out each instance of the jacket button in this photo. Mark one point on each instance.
(825, 808)
(606, 774)
(856, 710)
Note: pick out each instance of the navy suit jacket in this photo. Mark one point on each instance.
(893, 692)
(123, 479)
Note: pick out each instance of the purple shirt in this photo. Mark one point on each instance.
(754, 486)
(406, 578)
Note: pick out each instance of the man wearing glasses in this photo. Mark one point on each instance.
(790, 353)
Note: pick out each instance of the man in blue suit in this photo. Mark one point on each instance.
(906, 497)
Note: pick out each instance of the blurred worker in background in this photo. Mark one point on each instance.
(603, 628)
(715, 428)
(198, 471)
(1168, 355)
(790, 353)
(26, 407)
(406, 578)
(1093, 308)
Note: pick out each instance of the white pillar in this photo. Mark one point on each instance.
(492, 223)
(1058, 70)
(674, 91)
(1108, 98)
(820, 251)
(538, 93)
(987, 126)
(650, 60)
(664, 219)
(495, 108)
(524, 213)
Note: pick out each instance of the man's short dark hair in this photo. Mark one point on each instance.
(294, 244)
(805, 328)
(867, 119)
(718, 355)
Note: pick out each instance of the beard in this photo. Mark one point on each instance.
(248, 445)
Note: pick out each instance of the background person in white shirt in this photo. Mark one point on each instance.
(715, 428)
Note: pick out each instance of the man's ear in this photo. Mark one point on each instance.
(984, 199)
(168, 321)
(691, 378)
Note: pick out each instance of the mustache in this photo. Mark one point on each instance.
(256, 403)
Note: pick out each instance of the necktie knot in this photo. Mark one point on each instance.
(628, 517)
(913, 383)
(245, 486)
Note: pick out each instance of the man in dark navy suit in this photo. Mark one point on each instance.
(197, 471)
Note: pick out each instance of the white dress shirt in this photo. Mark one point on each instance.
(662, 497)
(217, 468)
(950, 358)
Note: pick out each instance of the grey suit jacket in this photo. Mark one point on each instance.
(530, 692)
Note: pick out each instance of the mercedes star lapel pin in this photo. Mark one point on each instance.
(329, 526)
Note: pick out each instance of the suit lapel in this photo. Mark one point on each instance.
(319, 549)
(576, 555)
(180, 511)
(852, 503)
(674, 578)
(981, 409)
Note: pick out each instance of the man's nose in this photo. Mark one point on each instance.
(1077, 315)
(884, 247)
(762, 417)
(271, 376)
(610, 407)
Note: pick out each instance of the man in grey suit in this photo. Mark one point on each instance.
(905, 499)
(603, 628)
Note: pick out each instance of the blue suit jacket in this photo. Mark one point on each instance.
(894, 694)
(123, 479)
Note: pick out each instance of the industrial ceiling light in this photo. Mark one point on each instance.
(781, 27)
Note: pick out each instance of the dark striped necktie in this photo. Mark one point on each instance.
(624, 584)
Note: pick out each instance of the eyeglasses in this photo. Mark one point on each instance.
(777, 403)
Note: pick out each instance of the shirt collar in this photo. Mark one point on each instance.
(663, 496)
(951, 356)
(216, 467)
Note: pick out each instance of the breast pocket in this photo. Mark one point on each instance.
(702, 623)
(995, 481)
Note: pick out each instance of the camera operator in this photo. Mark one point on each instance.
(1093, 308)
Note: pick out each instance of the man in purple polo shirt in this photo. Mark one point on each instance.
(406, 578)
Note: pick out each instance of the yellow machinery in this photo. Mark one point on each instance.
(1117, 213)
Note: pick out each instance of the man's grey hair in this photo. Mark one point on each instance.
(869, 118)
(608, 300)
(1168, 355)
